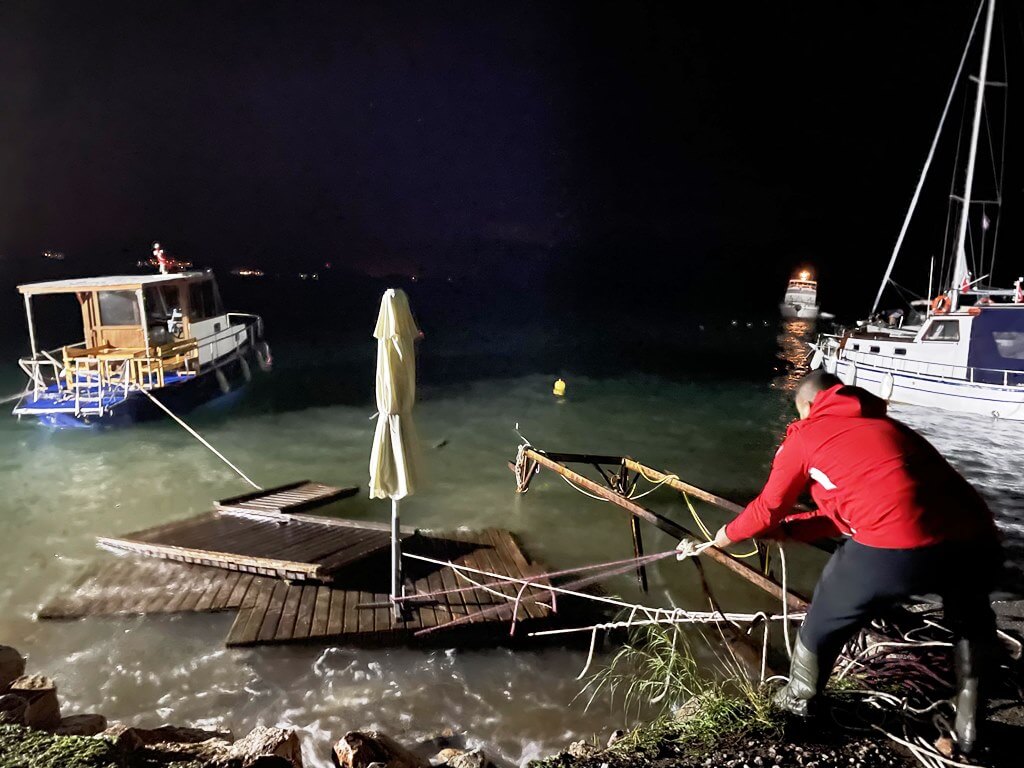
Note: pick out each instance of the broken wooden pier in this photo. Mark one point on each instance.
(294, 577)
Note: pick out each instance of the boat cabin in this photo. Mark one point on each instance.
(136, 329)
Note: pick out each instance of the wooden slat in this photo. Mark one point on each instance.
(268, 629)
(304, 618)
(246, 628)
(321, 612)
(286, 625)
(336, 617)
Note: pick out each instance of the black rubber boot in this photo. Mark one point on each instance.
(968, 698)
(799, 694)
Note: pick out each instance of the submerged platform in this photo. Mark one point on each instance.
(265, 533)
(349, 609)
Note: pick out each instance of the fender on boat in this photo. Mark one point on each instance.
(886, 387)
(850, 376)
(222, 381)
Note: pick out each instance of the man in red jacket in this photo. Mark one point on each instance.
(914, 526)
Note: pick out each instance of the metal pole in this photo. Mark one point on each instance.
(960, 271)
(145, 332)
(396, 561)
(31, 325)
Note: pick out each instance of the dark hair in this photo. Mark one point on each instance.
(815, 382)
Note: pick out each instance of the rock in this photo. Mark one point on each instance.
(474, 758)
(359, 749)
(12, 709)
(125, 738)
(82, 725)
(12, 666)
(40, 693)
(582, 749)
(263, 742)
(944, 745)
(169, 740)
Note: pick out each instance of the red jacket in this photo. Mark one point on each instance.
(871, 477)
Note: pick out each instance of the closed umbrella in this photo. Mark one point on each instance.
(394, 457)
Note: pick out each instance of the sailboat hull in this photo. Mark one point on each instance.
(991, 400)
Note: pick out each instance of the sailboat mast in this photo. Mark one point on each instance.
(960, 268)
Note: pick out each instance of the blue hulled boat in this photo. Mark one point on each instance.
(162, 336)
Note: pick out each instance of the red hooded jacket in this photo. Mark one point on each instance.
(871, 478)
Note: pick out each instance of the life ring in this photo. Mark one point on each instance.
(941, 304)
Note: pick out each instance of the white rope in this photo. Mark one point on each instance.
(785, 607)
(655, 615)
(11, 398)
(199, 437)
(915, 749)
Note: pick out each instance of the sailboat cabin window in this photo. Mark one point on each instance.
(1010, 344)
(119, 308)
(900, 350)
(876, 349)
(943, 330)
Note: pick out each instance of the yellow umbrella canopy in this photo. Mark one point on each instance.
(394, 457)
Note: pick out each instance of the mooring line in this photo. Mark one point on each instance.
(199, 437)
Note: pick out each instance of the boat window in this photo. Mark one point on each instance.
(943, 330)
(900, 351)
(204, 300)
(119, 308)
(856, 347)
(876, 349)
(1010, 344)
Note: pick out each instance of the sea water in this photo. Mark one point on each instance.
(711, 411)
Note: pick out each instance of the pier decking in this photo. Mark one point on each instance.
(264, 533)
(350, 609)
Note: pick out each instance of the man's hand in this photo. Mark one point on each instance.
(721, 541)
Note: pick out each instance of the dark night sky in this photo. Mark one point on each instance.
(730, 141)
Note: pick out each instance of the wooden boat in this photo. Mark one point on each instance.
(163, 335)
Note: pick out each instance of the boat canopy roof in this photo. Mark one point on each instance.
(110, 283)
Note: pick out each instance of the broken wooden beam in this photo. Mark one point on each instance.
(672, 528)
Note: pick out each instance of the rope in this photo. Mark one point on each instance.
(12, 398)
(200, 438)
(785, 607)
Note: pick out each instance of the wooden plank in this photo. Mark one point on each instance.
(268, 628)
(321, 612)
(249, 620)
(506, 545)
(240, 589)
(456, 601)
(336, 617)
(231, 500)
(304, 618)
(286, 626)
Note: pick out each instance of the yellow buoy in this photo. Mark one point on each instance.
(559, 389)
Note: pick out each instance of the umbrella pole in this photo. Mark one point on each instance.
(396, 562)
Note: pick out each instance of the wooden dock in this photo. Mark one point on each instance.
(350, 609)
(265, 533)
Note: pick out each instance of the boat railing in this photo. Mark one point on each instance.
(937, 370)
(91, 375)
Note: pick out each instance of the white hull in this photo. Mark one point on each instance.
(992, 400)
(791, 311)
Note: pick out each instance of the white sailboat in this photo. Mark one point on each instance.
(965, 351)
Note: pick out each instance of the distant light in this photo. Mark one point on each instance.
(805, 275)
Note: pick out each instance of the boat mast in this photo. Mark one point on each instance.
(960, 269)
(927, 165)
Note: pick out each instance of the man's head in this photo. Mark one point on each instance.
(808, 388)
